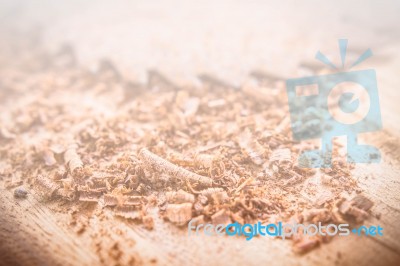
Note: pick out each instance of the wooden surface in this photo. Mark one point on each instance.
(32, 233)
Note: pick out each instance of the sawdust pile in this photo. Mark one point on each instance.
(204, 149)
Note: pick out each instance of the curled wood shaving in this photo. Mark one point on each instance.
(46, 186)
(208, 192)
(280, 156)
(97, 185)
(131, 200)
(294, 178)
(122, 200)
(72, 159)
(89, 196)
(60, 173)
(179, 214)
(67, 194)
(179, 196)
(162, 165)
(348, 208)
(198, 159)
(100, 175)
(362, 202)
(211, 191)
(110, 200)
(251, 147)
(220, 197)
(128, 212)
(245, 183)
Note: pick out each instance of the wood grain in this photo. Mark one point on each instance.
(30, 235)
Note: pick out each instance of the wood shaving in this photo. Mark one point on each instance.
(72, 159)
(179, 214)
(221, 217)
(161, 165)
(251, 147)
(179, 196)
(47, 187)
(213, 151)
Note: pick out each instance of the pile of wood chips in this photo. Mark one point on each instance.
(203, 150)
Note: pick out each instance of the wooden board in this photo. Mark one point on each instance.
(33, 232)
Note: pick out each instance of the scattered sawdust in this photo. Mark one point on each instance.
(214, 153)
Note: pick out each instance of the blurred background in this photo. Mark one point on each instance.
(186, 37)
(226, 38)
